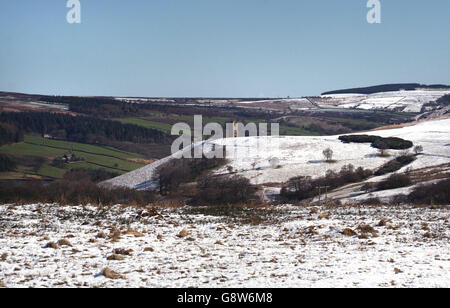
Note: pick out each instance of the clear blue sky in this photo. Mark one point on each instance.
(220, 48)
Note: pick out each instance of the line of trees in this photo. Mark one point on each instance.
(178, 171)
(396, 180)
(6, 163)
(206, 189)
(99, 106)
(444, 100)
(68, 192)
(382, 143)
(386, 88)
(395, 164)
(79, 128)
(301, 188)
(104, 107)
(93, 175)
(224, 190)
(436, 193)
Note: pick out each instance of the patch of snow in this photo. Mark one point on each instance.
(405, 101)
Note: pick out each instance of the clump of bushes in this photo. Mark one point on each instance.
(371, 201)
(178, 171)
(358, 139)
(9, 133)
(432, 194)
(224, 190)
(66, 192)
(444, 100)
(301, 188)
(58, 163)
(378, 142)
(93, 175)
(395, 164)
(395, 181)
(393, 143)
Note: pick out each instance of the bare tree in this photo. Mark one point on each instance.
(328, 154)
(418, 149)
(382, 149)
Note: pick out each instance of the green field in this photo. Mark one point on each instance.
(286, 130)
(93, 157)
(166, 127)
(161, 126)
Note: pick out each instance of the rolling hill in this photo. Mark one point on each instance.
(302, 156)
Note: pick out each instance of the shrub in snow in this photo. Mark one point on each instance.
(418, 149)
(395, 181)
(178, 171)
(378, 142)
(224, 190)
(301, 188)
(395, 165)
(436, 193)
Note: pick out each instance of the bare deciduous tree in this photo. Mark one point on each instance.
(382, 149)
(418, 149)
(328, 154)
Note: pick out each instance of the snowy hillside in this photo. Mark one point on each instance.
(404, 101)
(254, 157)
(400, 101)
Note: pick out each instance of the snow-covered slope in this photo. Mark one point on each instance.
(254, 157)
(404, 101)
(410, 249)
(143, 178)
(400, 101)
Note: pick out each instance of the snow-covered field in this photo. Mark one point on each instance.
(302, 156)
(402, 101)
(405, 101)
(273, 247)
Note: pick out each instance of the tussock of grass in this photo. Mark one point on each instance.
(109, 273)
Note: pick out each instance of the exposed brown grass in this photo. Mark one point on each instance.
(109, 273)
(52, 245)
(123, 252)
(349, 232)
(365, 230)
(183, 233)
(102, 235)
(115, 236)
(382, 223)
(64, 242)
(115, 257)
(134, 232)
(324, 216)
